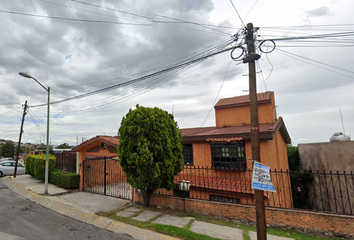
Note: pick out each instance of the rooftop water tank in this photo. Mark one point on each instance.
(339, 137)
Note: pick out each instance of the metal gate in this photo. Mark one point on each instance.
(105, 176)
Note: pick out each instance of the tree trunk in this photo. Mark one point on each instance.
(146, 196)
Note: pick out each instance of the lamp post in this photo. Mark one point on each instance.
(47, 145)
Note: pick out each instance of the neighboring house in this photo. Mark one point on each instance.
(41, 149)
(332, 165)
(99, 146)
(225, 150)
(217, 158)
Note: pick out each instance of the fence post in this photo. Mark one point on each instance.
(83, 175)
(105, 169)
(346, 186)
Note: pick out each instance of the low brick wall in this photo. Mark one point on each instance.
(311, 222)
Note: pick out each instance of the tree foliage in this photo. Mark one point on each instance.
(7, 150)
(294, 158)
(300, 179)
(63, 146)
(150, 149)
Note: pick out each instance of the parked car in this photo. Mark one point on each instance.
(8, 168)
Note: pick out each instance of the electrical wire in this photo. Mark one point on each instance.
(237, 13)
(189, 22)
(113, 9)
(325, 64)
(73, 19)
(217, 95)
(84, 10)
(187, 57)
(310, 61)
(251, 10)
(136, 80)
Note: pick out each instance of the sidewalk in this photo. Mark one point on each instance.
(83, 206)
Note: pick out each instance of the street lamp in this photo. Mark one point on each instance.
(26, 75)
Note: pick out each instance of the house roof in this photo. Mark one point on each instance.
(41, 147)
(244, 100)
(235, 133)
(109, 140)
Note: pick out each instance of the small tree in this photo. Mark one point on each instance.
(63, 146)
(150, 150)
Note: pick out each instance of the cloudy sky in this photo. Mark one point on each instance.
(101, 58)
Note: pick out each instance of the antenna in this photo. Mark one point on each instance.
(341, 117)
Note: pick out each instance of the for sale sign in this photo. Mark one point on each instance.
(261, 178)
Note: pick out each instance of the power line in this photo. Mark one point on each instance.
(189, 22)
(187, 57)
(325, 64)
(113, 9)
(329, 35)
(309, 61)
(136, 79)
(217, 95)
(80, 9)
(238, 13)
(74, 19)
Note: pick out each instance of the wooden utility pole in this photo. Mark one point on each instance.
(19, 140)
(256, 156)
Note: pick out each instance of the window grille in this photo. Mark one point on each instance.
(228, 155)
(188, 154)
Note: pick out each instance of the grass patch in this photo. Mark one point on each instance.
(185, 233)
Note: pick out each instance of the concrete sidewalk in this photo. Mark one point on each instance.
(83, 206)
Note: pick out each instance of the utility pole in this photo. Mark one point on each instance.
(256, 156)
(19, 140)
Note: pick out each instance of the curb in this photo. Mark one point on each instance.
(90, 218)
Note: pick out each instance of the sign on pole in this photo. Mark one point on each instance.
(261, 178)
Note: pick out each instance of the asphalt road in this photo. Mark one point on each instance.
(22, 219)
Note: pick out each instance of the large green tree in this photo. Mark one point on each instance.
(7, 150)
(150, 149)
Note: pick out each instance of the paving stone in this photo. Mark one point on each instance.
(216, 231)
(128, 212)
(253, 236)
(173, 221)
(146, 216)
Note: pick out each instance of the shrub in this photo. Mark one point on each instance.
(29, 164)
(65, 179)
(35, 165)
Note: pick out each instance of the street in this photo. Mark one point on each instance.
(23, 219)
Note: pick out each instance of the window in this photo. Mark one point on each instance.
(229, 155)
(224, 199)
(188, 154)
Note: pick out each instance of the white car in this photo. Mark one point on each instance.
(8, 168)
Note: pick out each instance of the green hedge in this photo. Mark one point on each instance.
(35, 165)
(65, 179)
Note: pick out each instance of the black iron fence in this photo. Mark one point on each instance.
(331, 192)
(66, 161)
(105, 176)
